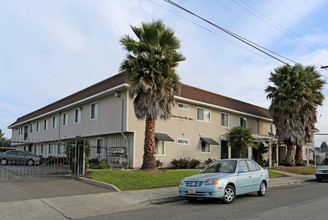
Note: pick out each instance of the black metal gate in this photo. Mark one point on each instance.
(17, 160)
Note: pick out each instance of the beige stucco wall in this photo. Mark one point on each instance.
(184, 124)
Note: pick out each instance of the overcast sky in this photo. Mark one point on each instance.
(51, 49)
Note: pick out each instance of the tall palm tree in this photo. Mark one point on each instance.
(295, 95)
(150, 67)
(240, 138)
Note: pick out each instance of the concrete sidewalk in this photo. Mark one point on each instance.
(73, 207)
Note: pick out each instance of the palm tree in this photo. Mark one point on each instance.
(240, 138)
(294, 99)
(150, 67)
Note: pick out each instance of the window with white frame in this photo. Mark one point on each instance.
(183, 141)
(50, 149)
(59, 149)
(100, 146)
(77, 115)
(272, 129)
(205, 147)
(41, 150)
(45, 124)
(65, 119)
(159, 147)
(37, 126)
(183, 106)
(243, 122)
(34, 150)
(20, 130)
(203, 114)
(224, 120)
(94, 111)
(54, 122)
(31, 128)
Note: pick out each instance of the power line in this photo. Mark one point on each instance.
(281, 31)
(206, 28)
(244, 40)
(258, 29)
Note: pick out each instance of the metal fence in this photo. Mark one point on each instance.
(16, 160)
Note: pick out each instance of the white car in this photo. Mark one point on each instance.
(321, 172)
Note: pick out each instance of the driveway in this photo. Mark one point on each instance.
(17, 188)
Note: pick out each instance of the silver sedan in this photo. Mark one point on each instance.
(225, 179)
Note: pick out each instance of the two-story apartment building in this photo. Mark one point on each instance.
(104, 115)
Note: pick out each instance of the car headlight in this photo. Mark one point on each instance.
(182, 182)
(212, 181)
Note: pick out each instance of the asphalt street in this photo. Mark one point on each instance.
(303, 201)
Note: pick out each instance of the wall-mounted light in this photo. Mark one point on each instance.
(117, 94)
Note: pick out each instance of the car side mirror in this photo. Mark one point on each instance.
(200, 171)
(241, 170)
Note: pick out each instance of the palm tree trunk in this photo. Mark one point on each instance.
(149, 162)
(299, 155)
(290, 154)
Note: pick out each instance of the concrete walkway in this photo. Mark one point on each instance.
(78, 206)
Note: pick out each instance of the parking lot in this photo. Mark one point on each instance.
(19, 188)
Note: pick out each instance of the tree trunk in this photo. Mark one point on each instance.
(290, 159)
(299, 155)
(149, 162)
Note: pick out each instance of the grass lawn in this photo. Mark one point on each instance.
(298, 170)
(274, 174)
(134, 180)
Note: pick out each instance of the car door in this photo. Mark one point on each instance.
(11, 156)
(243, 180)
(22, 157)
(256, 175)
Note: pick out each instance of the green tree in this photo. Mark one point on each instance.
(240, 138)
(150, 67)
(295, 95)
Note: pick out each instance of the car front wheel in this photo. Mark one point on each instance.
(3, 161)
(263, 189)
(229, 194)
(30, 162)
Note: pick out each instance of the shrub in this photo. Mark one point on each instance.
(184, 163)
(159, 163)
(194, 163)
(208, 161)
(100, 166)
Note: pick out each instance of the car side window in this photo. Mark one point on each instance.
(242, 164)
(12, 153)
(19, 153)
(252, 166)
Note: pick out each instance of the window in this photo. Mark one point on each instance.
(54, 122)
(205, 147)
(41, 149)
(100, 146)
(34, 150)
(183, 141)
(224, 120)
(242, 164)
(45, 125)
(59, 150)
(77, 117)
(38, 126)
(272, 130)
(183, 106)
(160, 151)
(20, 131)
(203, 115)
(65, 119)
(94, 111)
(50, 149)
(252, 166)
(31, 128)
(243, 122)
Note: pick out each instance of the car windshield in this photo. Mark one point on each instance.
(324, 162)
(224, 166)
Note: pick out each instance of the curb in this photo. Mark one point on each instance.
(166, 199)
(97, 183)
